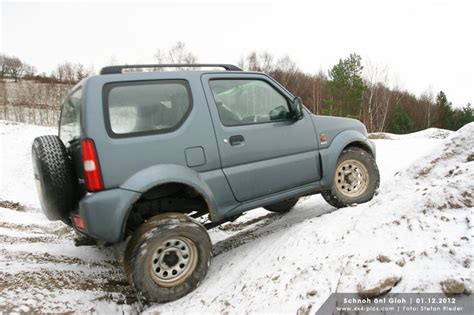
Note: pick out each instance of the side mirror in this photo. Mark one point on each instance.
(297, 108)
(281, 112)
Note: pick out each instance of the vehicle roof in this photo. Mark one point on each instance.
(155, 75)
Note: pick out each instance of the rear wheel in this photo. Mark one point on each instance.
(283, 206)
(167, 257)
(356, 179)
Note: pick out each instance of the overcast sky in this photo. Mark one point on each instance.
(426, 45)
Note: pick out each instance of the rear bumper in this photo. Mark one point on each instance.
(104, 213)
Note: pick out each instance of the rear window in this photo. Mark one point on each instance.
(135, 108)
(69, 126)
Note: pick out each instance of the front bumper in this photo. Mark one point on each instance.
(105, 213)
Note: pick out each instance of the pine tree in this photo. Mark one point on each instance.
(462, 117)
(446, 111)
(401, 122)
(346, 87)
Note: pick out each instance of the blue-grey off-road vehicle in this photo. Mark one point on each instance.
(144, 154)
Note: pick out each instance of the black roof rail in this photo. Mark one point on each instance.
(118, 69)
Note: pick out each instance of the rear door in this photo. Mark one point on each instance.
(262, 149)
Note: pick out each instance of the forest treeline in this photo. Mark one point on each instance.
(348, 89)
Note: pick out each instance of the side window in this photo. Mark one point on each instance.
(247, 101)
(143, 107)
(70, 124)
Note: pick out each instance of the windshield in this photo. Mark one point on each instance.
(69, 126)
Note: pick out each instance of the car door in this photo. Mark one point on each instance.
(262, 149)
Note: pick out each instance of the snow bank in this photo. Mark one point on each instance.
(16, 171)
(430, 133)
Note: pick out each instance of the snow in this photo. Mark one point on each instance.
(419, 228)
(430, 133)
(16, 172)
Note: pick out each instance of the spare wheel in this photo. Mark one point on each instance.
(55, 178)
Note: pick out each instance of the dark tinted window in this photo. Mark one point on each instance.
(70, 127)
(140, 107)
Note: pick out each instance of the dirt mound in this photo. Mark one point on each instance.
(12, 205)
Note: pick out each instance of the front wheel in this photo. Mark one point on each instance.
(356, 179)
(167, 257)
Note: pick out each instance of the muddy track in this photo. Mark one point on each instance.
(265, 225)
(43, 258)
(108, 286)
(37, 280)
(248, 232)
(49, 239)
(56, 230)
(109, 281)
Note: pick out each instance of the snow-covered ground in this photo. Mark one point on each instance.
(416, 233)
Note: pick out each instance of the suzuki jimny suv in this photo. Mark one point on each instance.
(145, 154)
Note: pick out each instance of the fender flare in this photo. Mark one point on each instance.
(337, 145)
(156, 175)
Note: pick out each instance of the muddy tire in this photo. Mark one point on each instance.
(356, 179)
(167, 257)
(55, 178)
(282, 206)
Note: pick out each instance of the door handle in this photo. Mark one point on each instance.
(236, 140)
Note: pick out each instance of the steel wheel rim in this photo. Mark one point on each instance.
(173, 261)
(352, 178)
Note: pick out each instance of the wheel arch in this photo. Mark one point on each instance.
(344, 140)
(155, 177)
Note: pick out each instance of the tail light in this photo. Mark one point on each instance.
(91, 166)
(79, 222)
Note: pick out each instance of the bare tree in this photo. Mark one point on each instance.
(59, 73)
(15, 67)
(177, 54)
(383, 108)
(288, 69)
(263, 62)
(81, 72)
(426, 99)
(375, 104)
(3, 65)
(30, 70)
(70, 73)
(317, 91)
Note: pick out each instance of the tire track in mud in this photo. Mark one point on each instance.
(247, 231)
(56, 230)
(39, 238)
(107, 281)
(39, 280)
(108, 286)
(44, 258)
